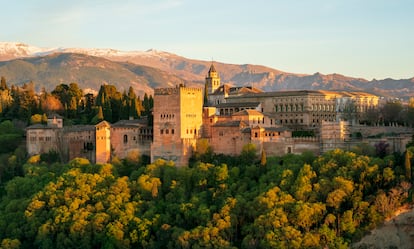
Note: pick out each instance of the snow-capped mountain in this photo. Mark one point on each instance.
(14, 50)
(152, 68)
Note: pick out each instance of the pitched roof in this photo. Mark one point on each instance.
(233, 123)
(130, 123)
(212, 69)
(39, 126)
(236, 90)
(103, 124)
(238, 104)
(75, 128)
(247, 113)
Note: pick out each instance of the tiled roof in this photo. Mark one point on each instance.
(238, 104)
(39, 126)
(74, 128)
(247, 113)
(233, 123)
(130, 123)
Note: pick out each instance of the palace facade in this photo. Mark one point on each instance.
(227, 117)
(98, 143)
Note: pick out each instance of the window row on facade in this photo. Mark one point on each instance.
(167, 116)
(290, 121)
(267, 134)
(167, 131)
(191, 131)
(41, 139)
(289, 108)
(288, 99)
(145, 131)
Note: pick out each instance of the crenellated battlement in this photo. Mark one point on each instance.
(191, 89)
(166, 91)
(175, 90)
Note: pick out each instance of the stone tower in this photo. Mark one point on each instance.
(103, 142)
(177, 123)
(212, 80)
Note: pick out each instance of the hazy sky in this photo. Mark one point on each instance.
(360, 38)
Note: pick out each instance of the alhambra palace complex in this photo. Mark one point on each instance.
(227, 117)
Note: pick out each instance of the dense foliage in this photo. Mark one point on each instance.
(295, 201)
(23, 103)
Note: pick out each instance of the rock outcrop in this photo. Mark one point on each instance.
(398, 232)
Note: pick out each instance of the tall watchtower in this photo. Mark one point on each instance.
(103, 142)
(212, 79)
(177, 123)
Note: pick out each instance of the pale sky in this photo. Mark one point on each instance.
(359, 38)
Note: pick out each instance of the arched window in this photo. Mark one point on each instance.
(125, 139)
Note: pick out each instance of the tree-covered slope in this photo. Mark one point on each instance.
(237, 202)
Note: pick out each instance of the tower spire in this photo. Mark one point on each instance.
(212, 79)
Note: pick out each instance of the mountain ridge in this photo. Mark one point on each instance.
(175, 69)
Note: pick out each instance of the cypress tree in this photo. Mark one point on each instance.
(3, 84)
(408, 165)
(263, 158)
(100, 114)
(205, 102)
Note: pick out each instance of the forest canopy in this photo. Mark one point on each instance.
(294, 201)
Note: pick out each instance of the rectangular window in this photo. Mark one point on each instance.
(172, 131)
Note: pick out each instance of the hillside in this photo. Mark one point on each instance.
(89, 71)
(397, 232)
(147, 69)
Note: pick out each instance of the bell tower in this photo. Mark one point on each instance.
(212, 80)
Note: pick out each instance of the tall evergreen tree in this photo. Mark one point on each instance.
(100, 114)
(408, 164)
(205, 102)
(3, 84)
(263, 158)
(124, 106)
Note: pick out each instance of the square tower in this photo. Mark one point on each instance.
(212, 80)
(103, 142)
(177, 123)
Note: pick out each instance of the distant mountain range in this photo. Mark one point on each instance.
(145, 70)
